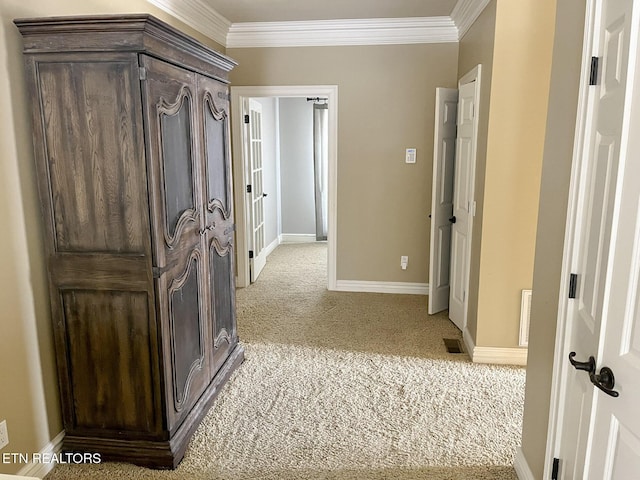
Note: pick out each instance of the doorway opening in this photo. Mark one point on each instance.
(453, 200)
(289, 196)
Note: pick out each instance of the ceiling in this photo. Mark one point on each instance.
(240, 11)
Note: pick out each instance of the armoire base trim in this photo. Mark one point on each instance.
(163, 454)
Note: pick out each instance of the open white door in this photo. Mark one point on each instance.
(599, 434)
(444, 148)
(463, 194)
(255, 193)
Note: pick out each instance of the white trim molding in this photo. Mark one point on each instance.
(297, 237)
(500, 355)
(382, 287)
(238, 94)
(373, 31)
(268, 250)
(465, 13)
(199, 15)
(522, 467)
(360, 31)
(41, 469)
(494, 355)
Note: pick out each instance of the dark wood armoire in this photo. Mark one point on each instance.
(131, 138)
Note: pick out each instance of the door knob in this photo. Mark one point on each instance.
(453, 219)
(604, 380)
(264, 194)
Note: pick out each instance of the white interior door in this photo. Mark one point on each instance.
(599, 438)
(444, 143)
(255, 190)
(463, 203)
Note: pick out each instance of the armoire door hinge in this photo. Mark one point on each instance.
(555, 469)
(143, 73)
(246, 119)
(593, 75)
(250, 253)
(573, 285)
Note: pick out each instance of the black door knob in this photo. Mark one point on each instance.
(264, 194)
(604, 380)
(453, 219)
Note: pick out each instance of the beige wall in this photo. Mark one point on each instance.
(507, 185)
(29, 398)
(554, 192)
(476, 47)
(386, 104)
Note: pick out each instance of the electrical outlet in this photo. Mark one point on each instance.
(404, 260)
(4, 434)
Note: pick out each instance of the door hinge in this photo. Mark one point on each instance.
(573, 285)
(142, 73)
(246, 119)
(593, 75)
(249, 189)
(555, 469)
(250, 253)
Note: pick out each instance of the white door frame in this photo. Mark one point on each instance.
(238, 95)
(563, 324)
(474, 75)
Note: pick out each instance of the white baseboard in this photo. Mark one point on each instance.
(40, 470)
(500, 355)
(297, 237)
(522, 467)
(382, 287)
(272, 246)
(496, 355)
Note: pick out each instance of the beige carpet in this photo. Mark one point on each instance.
(346, 386)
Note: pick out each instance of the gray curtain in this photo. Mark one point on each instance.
(321, 165)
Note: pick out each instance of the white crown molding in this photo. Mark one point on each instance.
(465, 13)
(198, 15)
(375, 31)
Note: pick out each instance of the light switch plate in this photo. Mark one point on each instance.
(410, 156)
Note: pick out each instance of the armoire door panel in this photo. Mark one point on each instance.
(168, 99)
(185, 328)
(96, 173)
(222, 276)
(215, 140)
(188, 327)
(177, 161)
(110, 358)
(216, 156)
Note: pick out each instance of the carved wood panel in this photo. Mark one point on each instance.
(222, 276)
(219, 216)
(168, 94)
(110, 360)
(188, 328)
(94, 174)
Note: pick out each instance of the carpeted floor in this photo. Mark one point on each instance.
(345, 386)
